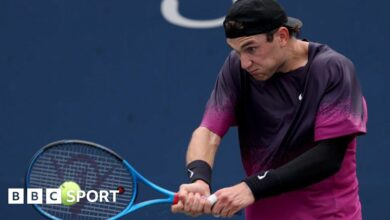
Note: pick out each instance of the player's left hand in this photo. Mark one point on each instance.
(192, 198)
(232, 199)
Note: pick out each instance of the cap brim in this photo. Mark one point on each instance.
(294, 23)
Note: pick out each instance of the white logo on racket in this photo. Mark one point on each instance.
(262, 176)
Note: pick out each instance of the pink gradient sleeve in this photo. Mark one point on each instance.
(338, 120)
(217, 121)
(220, 110)
(342, 110)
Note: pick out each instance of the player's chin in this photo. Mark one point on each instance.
(261, 77)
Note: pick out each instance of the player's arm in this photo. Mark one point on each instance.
(316, 164)
(201, 153)
(219, 115)
(200, 159)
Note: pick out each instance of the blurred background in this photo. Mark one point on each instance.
(136, 75)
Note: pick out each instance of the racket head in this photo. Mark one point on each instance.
(93, 167)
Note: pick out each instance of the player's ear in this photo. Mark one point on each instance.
(283, 36)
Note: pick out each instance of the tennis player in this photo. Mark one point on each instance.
(298, 107)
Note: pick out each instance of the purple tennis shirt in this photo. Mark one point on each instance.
(281, 118)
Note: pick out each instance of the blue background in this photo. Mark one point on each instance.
(119, 74)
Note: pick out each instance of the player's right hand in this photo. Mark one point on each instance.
(193, 199)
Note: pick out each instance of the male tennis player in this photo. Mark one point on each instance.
(298, 107)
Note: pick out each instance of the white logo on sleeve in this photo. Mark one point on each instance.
(262, 176)
(191, 173)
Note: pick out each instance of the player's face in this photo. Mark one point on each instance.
(258, 56)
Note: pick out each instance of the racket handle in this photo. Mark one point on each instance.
(212, 199)
(175, 199)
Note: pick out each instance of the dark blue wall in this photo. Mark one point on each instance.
(119, 74)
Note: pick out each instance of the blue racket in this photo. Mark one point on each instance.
(92, 167)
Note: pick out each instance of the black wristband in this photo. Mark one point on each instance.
(264, 184)
(199, 169)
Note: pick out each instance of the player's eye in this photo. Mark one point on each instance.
(250, 50)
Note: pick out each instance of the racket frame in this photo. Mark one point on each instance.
(171, 198)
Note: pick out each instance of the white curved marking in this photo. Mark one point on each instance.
(170, 11)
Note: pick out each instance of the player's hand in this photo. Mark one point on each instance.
(232, 199)
(192, 198)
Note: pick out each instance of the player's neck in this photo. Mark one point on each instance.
(296, 55)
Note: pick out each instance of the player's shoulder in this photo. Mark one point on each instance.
(232, 64)
(326, 57)
(233, 58)
(330, 65)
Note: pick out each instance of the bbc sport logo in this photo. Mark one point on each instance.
(57, 196)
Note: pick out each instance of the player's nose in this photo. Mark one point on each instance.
(245, 62)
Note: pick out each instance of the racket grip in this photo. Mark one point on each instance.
(175, 199)
(212, 199)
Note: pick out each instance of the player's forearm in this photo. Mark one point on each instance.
(203, 146)
(315, 165)
(200, 155)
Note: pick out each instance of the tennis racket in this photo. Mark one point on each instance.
(92, 167)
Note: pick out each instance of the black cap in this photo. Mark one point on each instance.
(250, 17)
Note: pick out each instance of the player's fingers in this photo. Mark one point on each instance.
(196, 204)
(210, 200)
(233, 210)
(203, 201)
(207, 208)
(179, 207)
(231, 213)
(188, 202)
(182, 195)
(225, 211)
(217, 208)
(219, 204)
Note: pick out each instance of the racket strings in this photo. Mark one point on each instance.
(89, 166)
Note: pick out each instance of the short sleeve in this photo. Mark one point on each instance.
(342, 110)
(220, 110)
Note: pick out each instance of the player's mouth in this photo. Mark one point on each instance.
(257, 74)
(253, 72)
